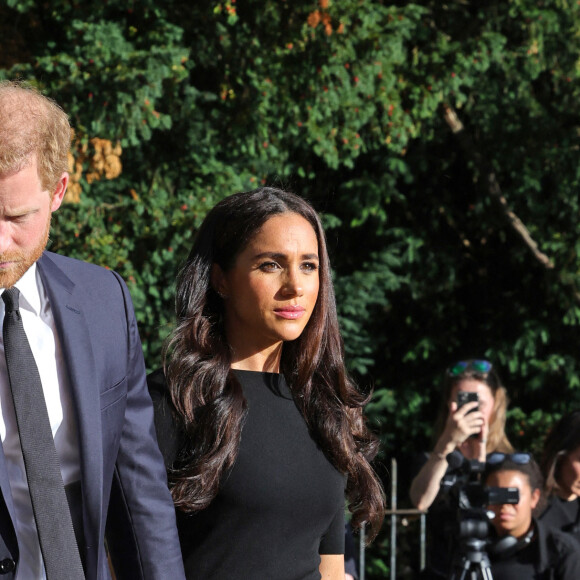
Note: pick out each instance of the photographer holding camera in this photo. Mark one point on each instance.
(469, 431)
(524, 548)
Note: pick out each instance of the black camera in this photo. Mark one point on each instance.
(470, 497)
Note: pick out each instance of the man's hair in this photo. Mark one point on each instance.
(32, 125)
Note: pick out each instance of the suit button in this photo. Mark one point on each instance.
(7, 566)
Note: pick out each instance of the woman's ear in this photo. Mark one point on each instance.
(218, 280)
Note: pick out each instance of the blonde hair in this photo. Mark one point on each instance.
(496, 438)
(33, 126)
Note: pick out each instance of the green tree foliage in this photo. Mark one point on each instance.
(354, 105)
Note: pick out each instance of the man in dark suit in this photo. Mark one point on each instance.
(78, 321)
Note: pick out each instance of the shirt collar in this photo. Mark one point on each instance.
(28, 286)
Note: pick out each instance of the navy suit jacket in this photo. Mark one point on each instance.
(123, 479)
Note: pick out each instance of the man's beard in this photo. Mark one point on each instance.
(21, 260)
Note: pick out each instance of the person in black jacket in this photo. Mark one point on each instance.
(523, 547)
(561, 468)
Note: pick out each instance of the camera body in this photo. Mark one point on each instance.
(470, 497)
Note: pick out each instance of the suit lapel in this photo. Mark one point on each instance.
(74, 335)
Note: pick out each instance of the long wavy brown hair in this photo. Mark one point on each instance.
(209, 400)
(497, 439)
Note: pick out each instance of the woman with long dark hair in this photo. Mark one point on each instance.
(257, 418)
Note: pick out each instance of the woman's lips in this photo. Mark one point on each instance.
(290, 312)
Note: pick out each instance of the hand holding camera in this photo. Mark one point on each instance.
(465, 420)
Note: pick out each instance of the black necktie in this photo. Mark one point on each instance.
(51, 511)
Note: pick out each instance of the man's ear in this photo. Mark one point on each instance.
(218, 280)
(60, 190)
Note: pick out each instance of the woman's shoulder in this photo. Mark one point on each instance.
(159, 392)
(557, 512)
(157, 384)
(165, 416)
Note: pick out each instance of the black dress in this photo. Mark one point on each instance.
(279, 507)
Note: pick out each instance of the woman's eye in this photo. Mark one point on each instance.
(310, 266)
(269, 266)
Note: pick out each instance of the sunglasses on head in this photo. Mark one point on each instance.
(519, 458)
(462, 366)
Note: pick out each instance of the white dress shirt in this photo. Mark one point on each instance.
(42, 335)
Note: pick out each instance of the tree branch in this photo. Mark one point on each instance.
(494, 191)
(493, 187)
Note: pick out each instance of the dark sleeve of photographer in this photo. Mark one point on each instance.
(564, 555)
(553, 555)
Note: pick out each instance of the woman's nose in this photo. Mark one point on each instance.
(292, 284)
